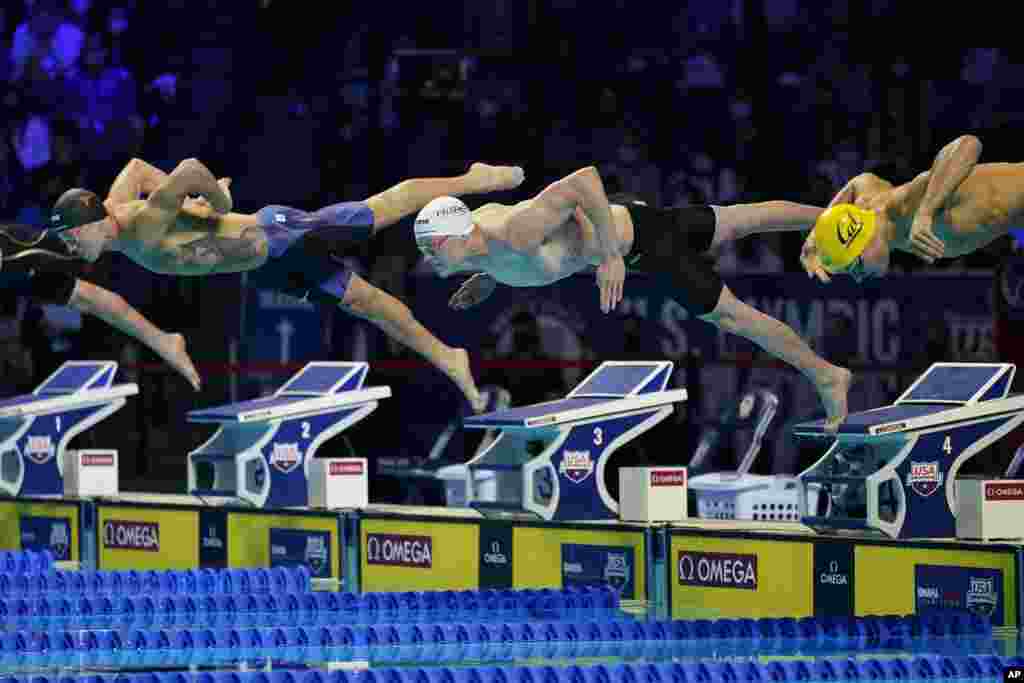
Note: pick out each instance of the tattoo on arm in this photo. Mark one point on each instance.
(215, 253)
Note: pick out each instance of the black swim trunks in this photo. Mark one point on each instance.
(672, 246)
(36, 265)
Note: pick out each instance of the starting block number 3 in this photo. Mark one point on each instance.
(598, 436)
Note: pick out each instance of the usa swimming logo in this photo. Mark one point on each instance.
(982, 597)
(317, 554)
(577, 466)
(616, 571)
(286, 456)
(60, 541)
(39, 449)
(924, 478)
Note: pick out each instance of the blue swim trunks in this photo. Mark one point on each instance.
(306, 249)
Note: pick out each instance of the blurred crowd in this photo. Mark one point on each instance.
(738, 100)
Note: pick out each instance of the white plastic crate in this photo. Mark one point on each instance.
(753, 497)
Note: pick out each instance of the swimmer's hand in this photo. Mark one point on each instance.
(811, 262)
(473, 291)
(225, 184)
(610, 276)
(923, 242)
(482, 178)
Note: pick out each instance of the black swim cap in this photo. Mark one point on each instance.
(74, 208)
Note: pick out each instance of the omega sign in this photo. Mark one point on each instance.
(1014, 491)
(668, 478)
(118, 535)
(400, 551)
(717, 570)
(834, 577)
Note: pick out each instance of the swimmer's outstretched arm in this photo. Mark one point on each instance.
(951, 167)
(112, 309)
(409, 196)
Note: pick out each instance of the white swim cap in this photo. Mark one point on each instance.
(444, 217)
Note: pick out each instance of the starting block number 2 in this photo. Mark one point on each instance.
(305, 431)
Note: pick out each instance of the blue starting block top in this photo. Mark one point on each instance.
(317, 387)
(72, 385)
(319, 379)
(613, 388)
(945, 394)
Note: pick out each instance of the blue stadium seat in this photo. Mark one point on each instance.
(547, 645)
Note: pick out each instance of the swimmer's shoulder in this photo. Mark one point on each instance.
(489, 208)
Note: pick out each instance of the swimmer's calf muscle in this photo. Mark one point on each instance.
(409, 196)
(742, 220)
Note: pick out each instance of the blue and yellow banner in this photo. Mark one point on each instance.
(570, 555)
(137, 537)
(398, 554)
(269, 539)
(737, 577)
(52, 525)
(917, 579)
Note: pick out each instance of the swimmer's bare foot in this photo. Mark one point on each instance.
(459, 371)
(833, 387)
(486, 178)
(171, 348)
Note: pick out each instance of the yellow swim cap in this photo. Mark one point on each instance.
(841, 234)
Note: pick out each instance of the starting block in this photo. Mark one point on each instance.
(549, 458)
(893, 470)
(36, 428)
(264, 449)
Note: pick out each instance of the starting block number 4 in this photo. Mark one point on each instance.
(947, 446)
